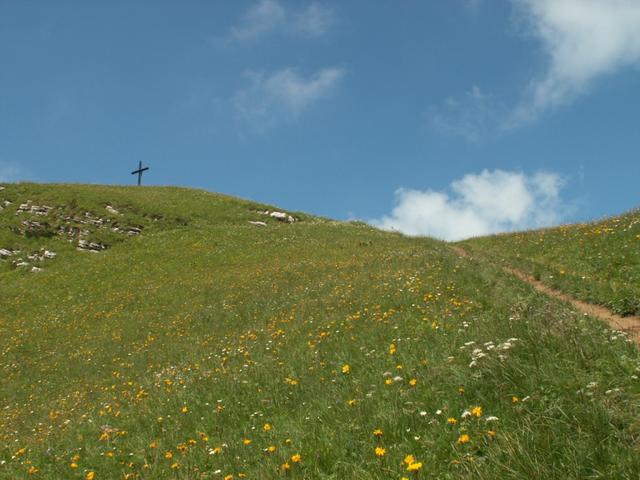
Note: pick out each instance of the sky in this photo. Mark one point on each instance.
(448, 118)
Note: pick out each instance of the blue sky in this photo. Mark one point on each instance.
(450, 118)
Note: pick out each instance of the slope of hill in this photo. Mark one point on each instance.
(168, 337)
(596, 262)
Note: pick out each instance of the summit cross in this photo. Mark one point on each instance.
(139, 172)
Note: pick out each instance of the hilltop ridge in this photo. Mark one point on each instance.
(199, 345)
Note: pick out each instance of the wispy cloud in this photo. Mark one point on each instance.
(282, 95)
(478, 204)
(315, 20)
(268, 16)
(9, 172)
(472, 116)
(261, 18)
(583, 40)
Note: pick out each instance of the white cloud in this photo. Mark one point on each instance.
(584, 40)
(267, 16)
(489, 202)
(283, 94)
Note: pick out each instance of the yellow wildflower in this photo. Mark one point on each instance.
(477, 411)
(346, 369)
(452, 421)
(90, 475)
(296, 458)
(392, 349)
(464, 438)
(377, 432)
(380, 451)
(413, 382)
(266, 427)
(246, 441)
(414, 467)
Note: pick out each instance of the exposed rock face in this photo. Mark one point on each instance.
(78, 228)
(258, 223)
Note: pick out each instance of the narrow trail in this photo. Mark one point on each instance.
(629, 325)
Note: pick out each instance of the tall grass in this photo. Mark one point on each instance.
(211, 348)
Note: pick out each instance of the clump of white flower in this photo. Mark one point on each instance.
(487, 349)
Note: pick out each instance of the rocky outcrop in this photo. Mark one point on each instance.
(34, 209)
(280, 216)
(90, 246)
(36, 257)
(6, 253)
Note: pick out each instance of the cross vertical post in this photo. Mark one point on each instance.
(139, 172)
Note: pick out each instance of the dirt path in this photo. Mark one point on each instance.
(630, 325)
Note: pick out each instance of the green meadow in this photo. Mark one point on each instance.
(598, 262)
(188, 343)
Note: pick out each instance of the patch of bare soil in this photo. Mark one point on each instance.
(630, 324)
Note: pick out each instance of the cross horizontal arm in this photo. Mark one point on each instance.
(140, 171)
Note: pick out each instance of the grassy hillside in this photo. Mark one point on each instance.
(597, 262)
(206, 347)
